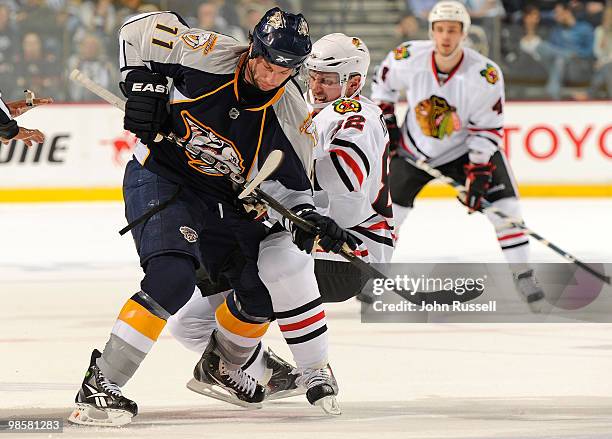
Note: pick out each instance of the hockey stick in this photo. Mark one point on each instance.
(249, 188)
(487, 207)
(266, 170)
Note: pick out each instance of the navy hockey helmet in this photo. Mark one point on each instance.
(282, 38)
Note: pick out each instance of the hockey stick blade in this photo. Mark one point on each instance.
(272, 162)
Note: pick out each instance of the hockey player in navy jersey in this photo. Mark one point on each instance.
(237, 103)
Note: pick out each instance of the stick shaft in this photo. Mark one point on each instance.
(488, 208)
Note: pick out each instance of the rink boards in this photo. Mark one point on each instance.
(555, 149)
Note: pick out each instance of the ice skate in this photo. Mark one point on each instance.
(99, 402)
(527, 285)
(212, 378)
(282, 383)
(322, 388)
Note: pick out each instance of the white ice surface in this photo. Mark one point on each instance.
(65, 273)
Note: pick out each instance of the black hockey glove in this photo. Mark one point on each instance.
(331, 236)
(146, 108)
(251, 208)
(478, 178)
(388, 110)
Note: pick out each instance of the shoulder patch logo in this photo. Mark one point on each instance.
(401, 51)
(198, 40)
(343, 106)
(189, 234)
(490, 74)
(309, 128)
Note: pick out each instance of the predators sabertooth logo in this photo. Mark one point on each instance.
(200, 138)
(490, 74)
(437, 118)
(343, 106)
(198, 40)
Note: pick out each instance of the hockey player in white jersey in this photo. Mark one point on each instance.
(351, 164)
(455, 122)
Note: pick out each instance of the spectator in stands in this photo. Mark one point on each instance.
(36, 17)
(250, 16)
(408, 28)
(134, 7)
(92, 61)
(420, 8)
(602, 47)
(8, 43)
(37, 69)
(488, 15)
(209, 19)
(99, 17)
(569, 40)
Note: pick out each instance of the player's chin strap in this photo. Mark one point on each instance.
(487, 207)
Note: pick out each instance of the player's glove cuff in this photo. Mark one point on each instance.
(9, 129)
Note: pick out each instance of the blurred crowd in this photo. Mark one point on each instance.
(42, 41)
(558, 50)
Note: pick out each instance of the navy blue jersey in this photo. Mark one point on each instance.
(207, 109)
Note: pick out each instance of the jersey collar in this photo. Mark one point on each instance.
(434, 69)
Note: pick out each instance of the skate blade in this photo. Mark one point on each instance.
(218, 393)
(329, 404)
(85, 414)
(286, 394)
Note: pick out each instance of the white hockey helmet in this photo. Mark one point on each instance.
(450, 10)
(341, 54)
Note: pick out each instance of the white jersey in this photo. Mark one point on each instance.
(445, 118)
(351, 174)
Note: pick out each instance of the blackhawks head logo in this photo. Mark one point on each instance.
(437, 118)
(401, 51)
(490, 74)
(347, 106)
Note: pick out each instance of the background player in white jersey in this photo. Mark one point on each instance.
(455, 122)
(351, 163)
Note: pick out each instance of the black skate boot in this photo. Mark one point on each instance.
(322, 388)
(527, 285)
(100, 402)
(213, 379)
(282, 383)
